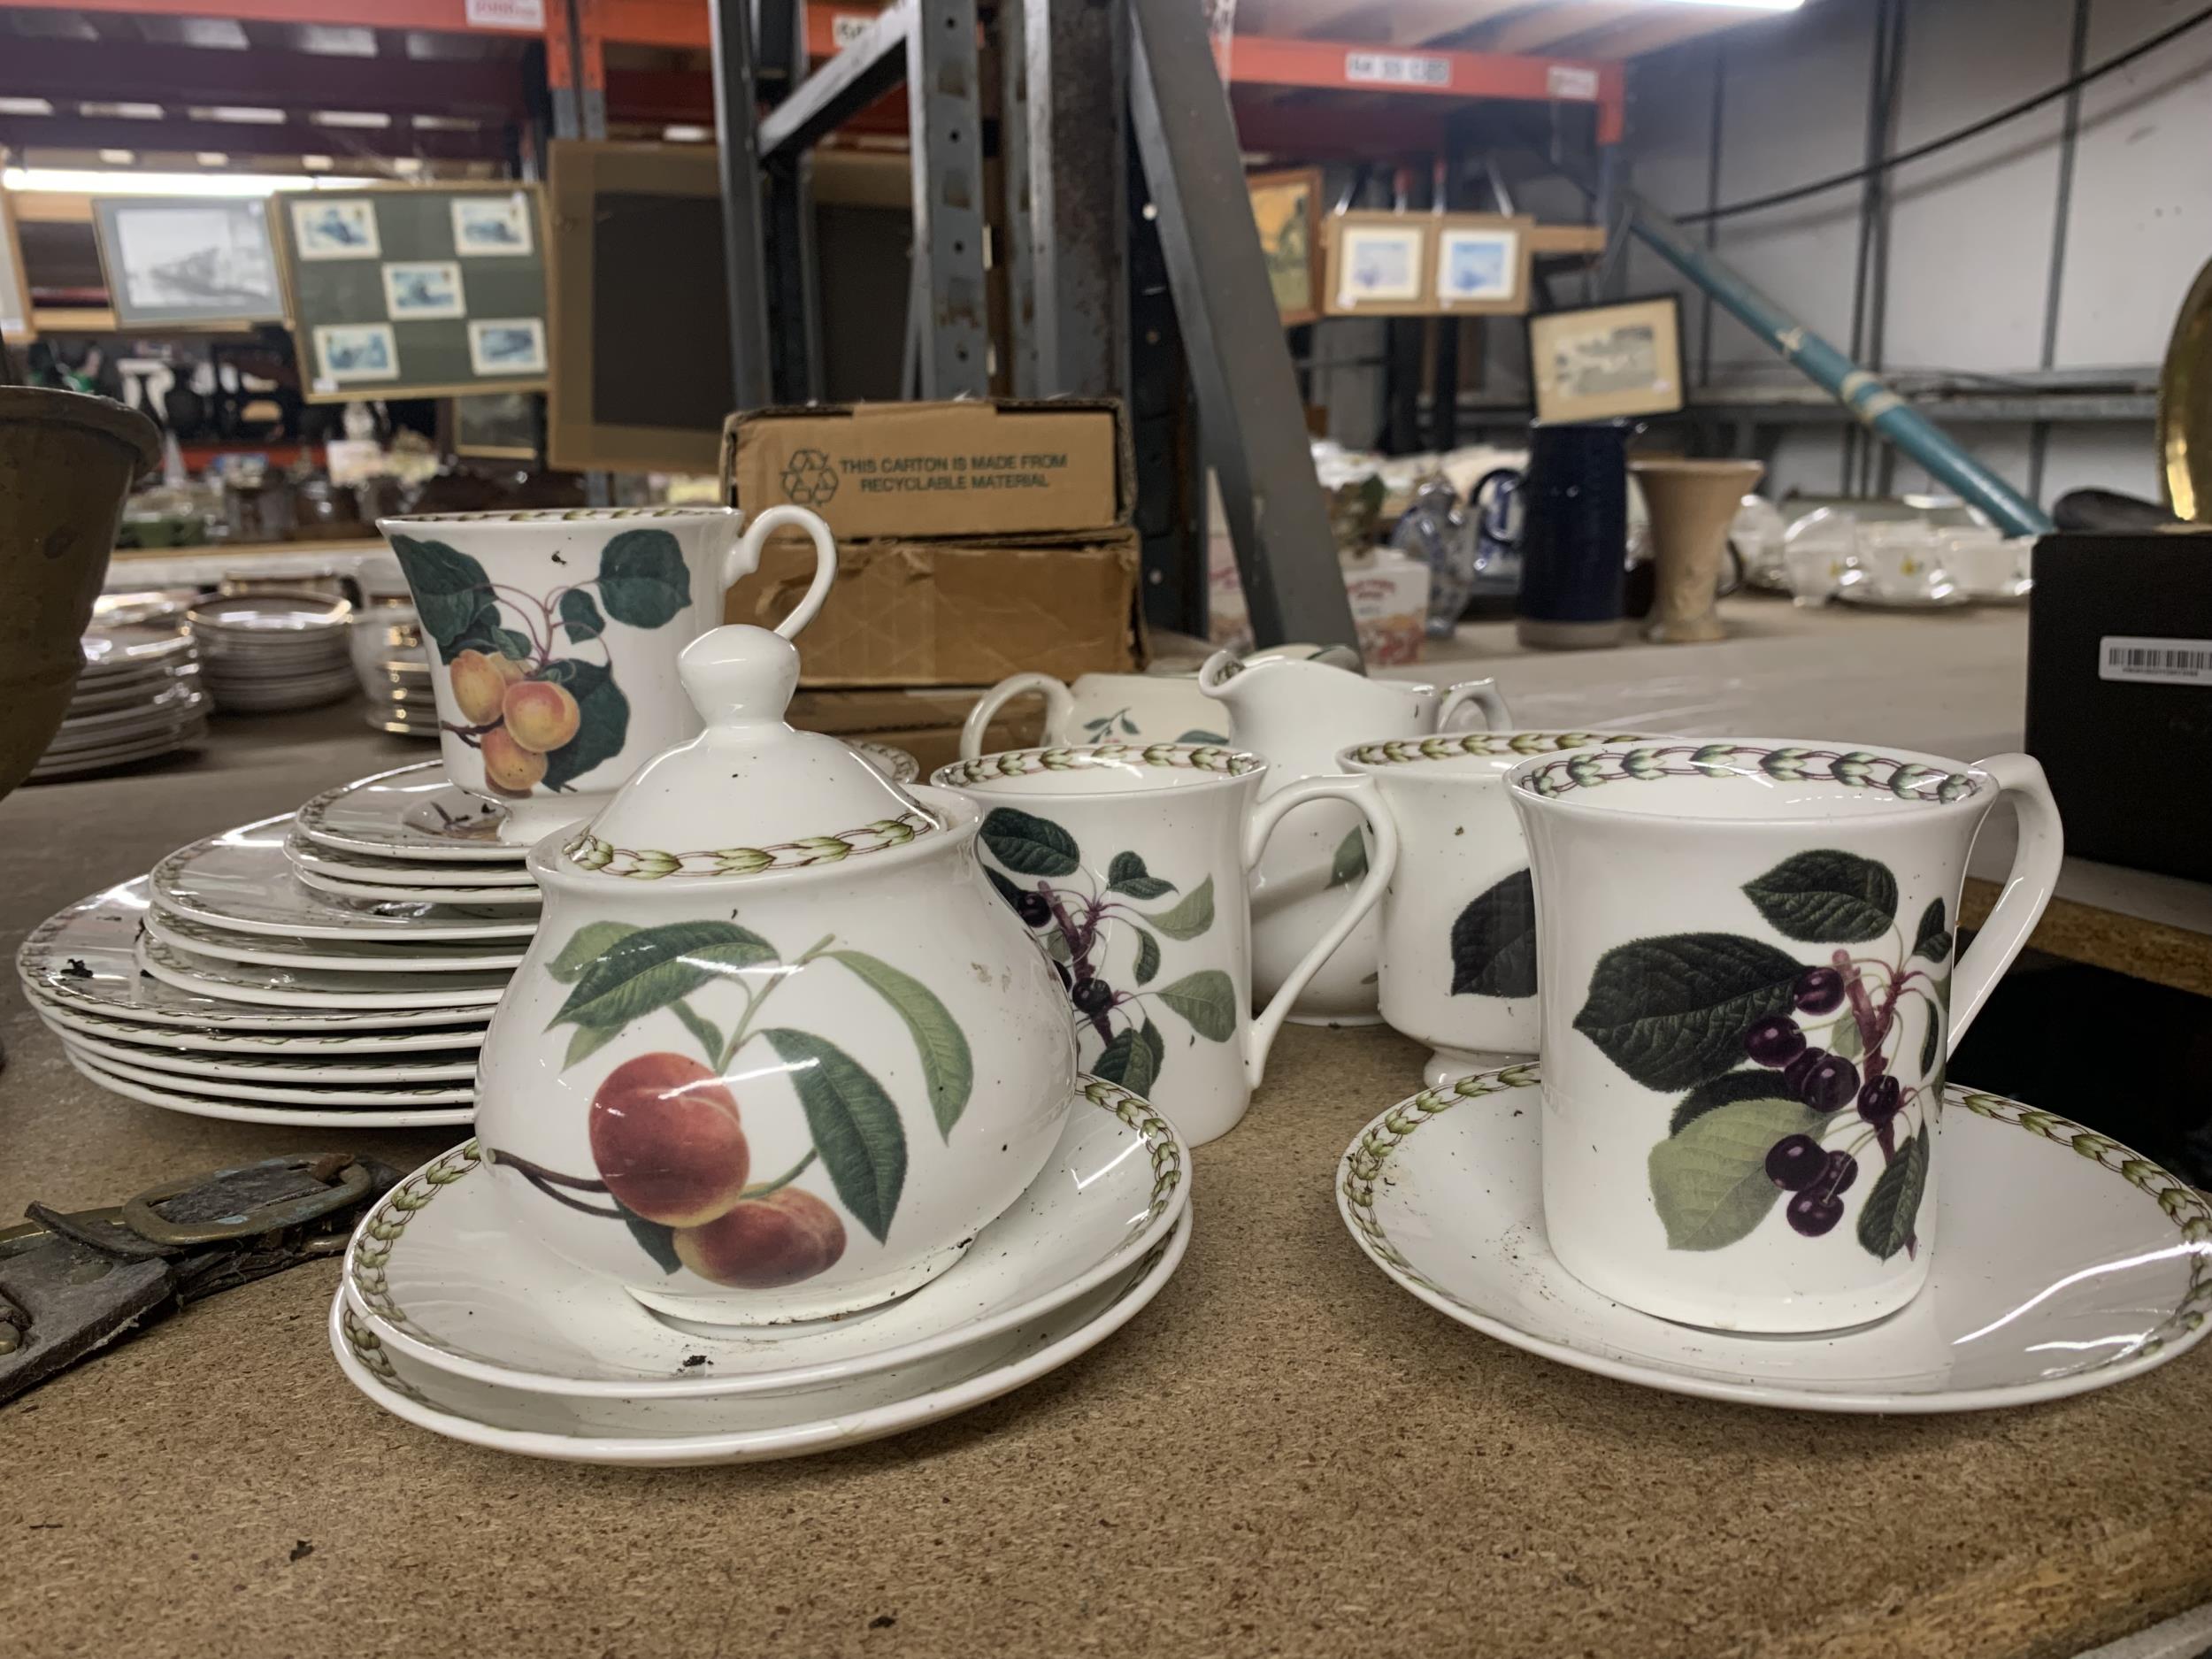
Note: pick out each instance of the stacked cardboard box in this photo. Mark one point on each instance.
(975, 540)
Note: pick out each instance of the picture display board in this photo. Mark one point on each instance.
(408, 291)
(15, 288)
(176, 262)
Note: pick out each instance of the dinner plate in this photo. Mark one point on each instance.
(365, 869)
(437, 1065)
(2063, 1261)
(412, 812)
(514, 901)
(332, 1096)
(195, 1104)
(382, 957)
(292, 1042)
(241, 882)
(317, 987)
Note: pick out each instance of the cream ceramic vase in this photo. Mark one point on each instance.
(1137, 708)
(1297, 714)
(1753, 985)
(777, 1051)
(552, 638)
(1458, 919)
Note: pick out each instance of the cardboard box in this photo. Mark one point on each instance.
(956, 613)
(967, 468)
(2120, 695)
(926, 722)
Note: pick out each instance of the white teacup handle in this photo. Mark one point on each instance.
(1059, 709)
(1382, 862)
(2027, 889)
(744, 559)
(1484, 694)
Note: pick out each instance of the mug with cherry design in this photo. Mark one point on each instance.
(1752, 989)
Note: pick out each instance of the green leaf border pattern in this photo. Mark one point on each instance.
(365, 1268)
(587, 851)
(1409, 752)
(1366, 1165)
(1030, 762)
(1858, 768)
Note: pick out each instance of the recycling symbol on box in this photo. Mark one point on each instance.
(809, 479)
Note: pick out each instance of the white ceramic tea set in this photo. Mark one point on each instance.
(813, 1105)
(1906, 565)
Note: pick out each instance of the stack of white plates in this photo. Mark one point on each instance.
(221, 986)
(394, 675)
(446, 1322)
(139, 696)
(266, 651)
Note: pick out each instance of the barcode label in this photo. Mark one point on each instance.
(1566, 81)
(1397, 69)
(2166, 662)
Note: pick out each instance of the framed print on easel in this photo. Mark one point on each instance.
(1286, 210)
(1608, 362)
(1378, 264)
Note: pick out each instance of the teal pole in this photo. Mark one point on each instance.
(1859, 390)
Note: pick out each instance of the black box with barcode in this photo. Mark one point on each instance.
(2120, 695)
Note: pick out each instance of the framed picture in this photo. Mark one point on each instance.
(1377, 264)
(1287, 210)
(335, 227)
(507, 346)
(203, 265)
(1605, 361)
(349, 352)
(496, 425)
(1482, 265)
(425, 288)
(15, 288)
(492, 225)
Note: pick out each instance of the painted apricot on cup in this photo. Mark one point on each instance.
(666, 1137)
(509, 767)
(540, 716)
(764, 1243)
(480, 684)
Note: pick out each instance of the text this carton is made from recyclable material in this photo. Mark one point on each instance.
(921, 469)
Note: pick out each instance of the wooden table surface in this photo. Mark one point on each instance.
(1284, 1455)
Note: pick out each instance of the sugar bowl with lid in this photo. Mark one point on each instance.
(777, 1051)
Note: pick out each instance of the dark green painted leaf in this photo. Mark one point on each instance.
(1148, 957)
(587, 1040)
(948, 1068)
(1709, 1181)
(1885, 1223)
(1029, 845)
(643, 579)
(1196, 736)
(1127, 874)
(1190, 917)
(1671, 1013)
(1350, 861)
(484, 632)
(655, 1241)
(1757, 1084)
(650, 968)
(581, 616)
(1006, 889)
(450, 589)
(603, 721)
(1933, 939)
(1207, 999)
(511, 644)
(1827, 898)
(706, 1031)
(1931, 1044)
(1131, 1059)
(855, 1124)
(1494, 942)
(585, 946)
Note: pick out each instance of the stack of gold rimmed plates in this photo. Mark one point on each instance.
(138, 697)
(394, 675)
(268, 652)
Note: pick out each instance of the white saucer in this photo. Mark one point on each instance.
(332, 1096)
(410, 813)
(379, 956)
(2062, 1262)
(119, 647)
(101, 760)
(309, 859)
(273, 1044)
(211, 1104)
(519, 901)
(746, 1429)
(84, 960)
(193, 1069)
(422, 1274)
(386, 994)
(1869, 596)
